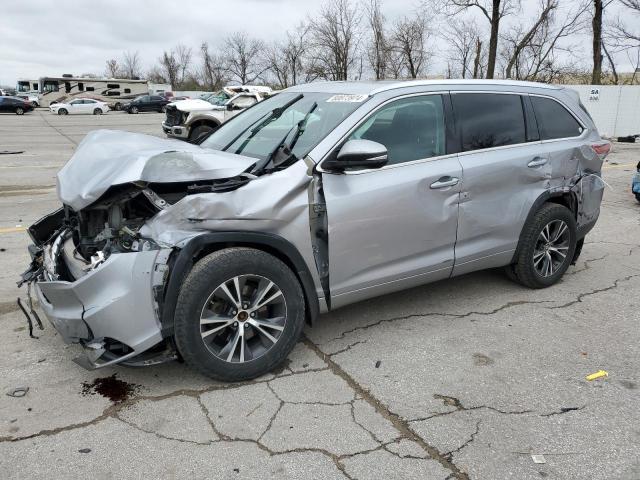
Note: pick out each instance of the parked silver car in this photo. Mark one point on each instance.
(324, 195)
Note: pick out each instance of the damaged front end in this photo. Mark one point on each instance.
(99, 281)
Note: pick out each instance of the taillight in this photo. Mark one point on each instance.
(602, 149)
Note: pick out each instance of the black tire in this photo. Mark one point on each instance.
(97, 111)
(62, 111)
(213, 270)
(34, 104)
(117, 107)
(19, 111)
(163, 109)
(199, 132)
(133, 110)
(524, 270)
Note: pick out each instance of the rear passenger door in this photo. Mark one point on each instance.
(504, 172)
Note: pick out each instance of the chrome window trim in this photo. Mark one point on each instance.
(395, 165)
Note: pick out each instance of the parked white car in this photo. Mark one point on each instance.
(80, 105)
(32, 98)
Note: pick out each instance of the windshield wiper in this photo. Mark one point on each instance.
(283, 147)
(261, 123)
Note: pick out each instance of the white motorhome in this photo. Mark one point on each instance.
(114, 91)
(27, 86)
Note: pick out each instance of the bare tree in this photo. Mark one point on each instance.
(170, 67)
(335, 37)
(242, 55)
(378, 48)
(596, 29)
(409, 38)
(183, 57)
(624, 36)
(213, 71)
(131, 64)
(521, 42)
(112, 68)
(532, 53)
(494, 11)
(478, 66)
(285, 60)
(463, 37)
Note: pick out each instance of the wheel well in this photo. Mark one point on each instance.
(209, 123)
(567, 199)
(183, 260)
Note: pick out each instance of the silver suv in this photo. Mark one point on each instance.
(324, 195)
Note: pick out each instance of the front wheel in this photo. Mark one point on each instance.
(97, 111)
(163, 109)
(62, 111)
(34, 104)
(547, 247)
(19, 111)
(117, 107)
(133, 110)
(239, 313)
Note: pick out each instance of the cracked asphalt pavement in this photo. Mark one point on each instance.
(465, 378)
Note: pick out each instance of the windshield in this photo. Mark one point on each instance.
(217, 98)
(259, 130)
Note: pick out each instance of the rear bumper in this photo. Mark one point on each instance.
(112, 304)
(176, 131)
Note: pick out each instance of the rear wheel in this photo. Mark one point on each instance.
(163, 109)
(239, 314)
(19, 111)
(117, 107)
(62, 111)
(97, 111)
(133, 110)
(34, 104)
(547, 247)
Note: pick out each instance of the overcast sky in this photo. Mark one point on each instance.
(45, 37)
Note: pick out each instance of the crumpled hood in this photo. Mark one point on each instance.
(193, 105)
(111, 157)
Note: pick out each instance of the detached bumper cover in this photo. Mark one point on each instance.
(112, 302)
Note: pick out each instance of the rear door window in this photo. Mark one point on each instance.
(489, 120)
(554, 121)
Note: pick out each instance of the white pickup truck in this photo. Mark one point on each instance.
(193, 118)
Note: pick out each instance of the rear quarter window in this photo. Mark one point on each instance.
(554, 121)
(489, 120)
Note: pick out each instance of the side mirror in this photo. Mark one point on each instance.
(358, 154)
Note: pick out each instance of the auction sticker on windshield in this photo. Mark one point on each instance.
(347, 98)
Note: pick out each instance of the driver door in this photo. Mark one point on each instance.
(395, 227)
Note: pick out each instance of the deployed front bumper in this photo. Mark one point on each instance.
(112, 304)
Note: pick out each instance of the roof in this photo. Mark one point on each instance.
(373, 87)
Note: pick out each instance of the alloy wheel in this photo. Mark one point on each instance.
(551, 248)
(243, 318)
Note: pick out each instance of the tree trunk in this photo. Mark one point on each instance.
(476, 61)
(596, 23)
(493, 40)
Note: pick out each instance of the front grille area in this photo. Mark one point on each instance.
(174, 116)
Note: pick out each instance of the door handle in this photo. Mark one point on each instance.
(537, 162)
(444, 182)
